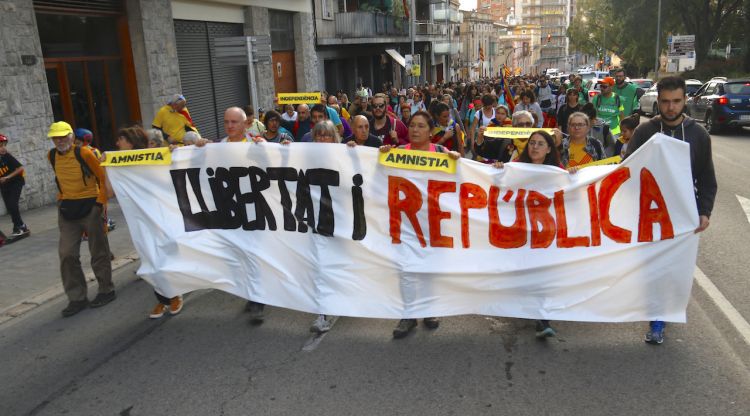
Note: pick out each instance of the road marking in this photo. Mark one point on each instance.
(745, 203)
(734, 317)
(312, 343)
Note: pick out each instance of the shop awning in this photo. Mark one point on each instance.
(396, 57)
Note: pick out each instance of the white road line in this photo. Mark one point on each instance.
(745, 203)
(734, 317)
(312, 343)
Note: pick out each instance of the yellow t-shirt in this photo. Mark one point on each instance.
(70, 178)
(577, 155)
(172, 123)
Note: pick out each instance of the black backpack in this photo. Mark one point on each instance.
(85, 170)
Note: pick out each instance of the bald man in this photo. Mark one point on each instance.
(361, 134)
(303, 124)
(234, 126)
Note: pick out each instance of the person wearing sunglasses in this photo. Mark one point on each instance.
(388, 129)
(609, 106)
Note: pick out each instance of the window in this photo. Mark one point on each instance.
(282, 31)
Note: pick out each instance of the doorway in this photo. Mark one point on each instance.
(90, 73)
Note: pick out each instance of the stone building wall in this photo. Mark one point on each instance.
(154, 47)
(258, 23)
(305, 56)
(25, 108)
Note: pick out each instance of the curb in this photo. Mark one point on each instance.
(53, 292)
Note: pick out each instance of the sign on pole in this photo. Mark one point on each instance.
(681, 46)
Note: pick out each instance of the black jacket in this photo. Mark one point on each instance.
(702, 165)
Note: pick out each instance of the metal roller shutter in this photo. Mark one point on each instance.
(231, 85)
(208, 87)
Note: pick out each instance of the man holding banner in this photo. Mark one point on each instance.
(671, 121)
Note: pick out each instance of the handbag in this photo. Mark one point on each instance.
(76, 209)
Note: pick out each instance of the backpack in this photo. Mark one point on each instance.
(85, 170)
(598, 100)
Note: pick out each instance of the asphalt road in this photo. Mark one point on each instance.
(210, 361)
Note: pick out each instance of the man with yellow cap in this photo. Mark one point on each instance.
(173, 119)
(81, 199)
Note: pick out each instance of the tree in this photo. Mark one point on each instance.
(703, 18)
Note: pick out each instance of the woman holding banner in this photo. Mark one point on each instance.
(420, 138)
(540, 150)
(580, 148)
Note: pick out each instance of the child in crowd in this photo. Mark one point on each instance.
(11, 184)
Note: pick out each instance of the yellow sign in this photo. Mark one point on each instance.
(299, 98)
(155, 156)
(416, 70)
(418, 160)
(512, 132)
(608, 161)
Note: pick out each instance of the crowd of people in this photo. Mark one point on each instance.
(450, 118)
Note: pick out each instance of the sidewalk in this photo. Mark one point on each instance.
(31, 268)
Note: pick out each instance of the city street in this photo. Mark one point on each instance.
(209, 360)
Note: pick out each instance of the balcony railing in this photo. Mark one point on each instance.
(370, 24)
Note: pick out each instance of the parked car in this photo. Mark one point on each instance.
(692, 85)
(593, 86)
(647, 102)
(643, 84)
(721, 104)
(587, 76)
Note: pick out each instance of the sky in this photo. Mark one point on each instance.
(468, 4)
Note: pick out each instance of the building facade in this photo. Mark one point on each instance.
(479, 37)
(553, 18)
(355, 40)
(111, 63)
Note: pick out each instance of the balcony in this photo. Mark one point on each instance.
(453, 16)
(445, 48)
(361, 27)
(369, 25)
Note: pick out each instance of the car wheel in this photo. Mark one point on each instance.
(711, 126)
(655, 110)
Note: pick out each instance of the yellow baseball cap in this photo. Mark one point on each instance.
(59, 129)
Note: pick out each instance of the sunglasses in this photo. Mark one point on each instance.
(378, 106)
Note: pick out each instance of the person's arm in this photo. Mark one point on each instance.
(98, 170)
(16, 169)
(705, 182)
(458, 133)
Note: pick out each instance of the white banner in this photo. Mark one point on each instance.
(324, 228)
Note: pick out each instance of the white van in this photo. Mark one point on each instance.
(552, 72)
(586, 76)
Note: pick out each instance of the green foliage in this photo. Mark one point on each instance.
(627, 28)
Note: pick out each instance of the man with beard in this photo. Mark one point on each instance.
(81, 199)
(672, 122)
(627, 92)
(388, 129)
(303, 123)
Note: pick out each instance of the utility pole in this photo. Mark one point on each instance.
(413, 28)
(658, 36)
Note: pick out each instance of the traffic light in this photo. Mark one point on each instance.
(549, 37)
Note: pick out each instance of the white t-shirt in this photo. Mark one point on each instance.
(287, 117)
(485, 120)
